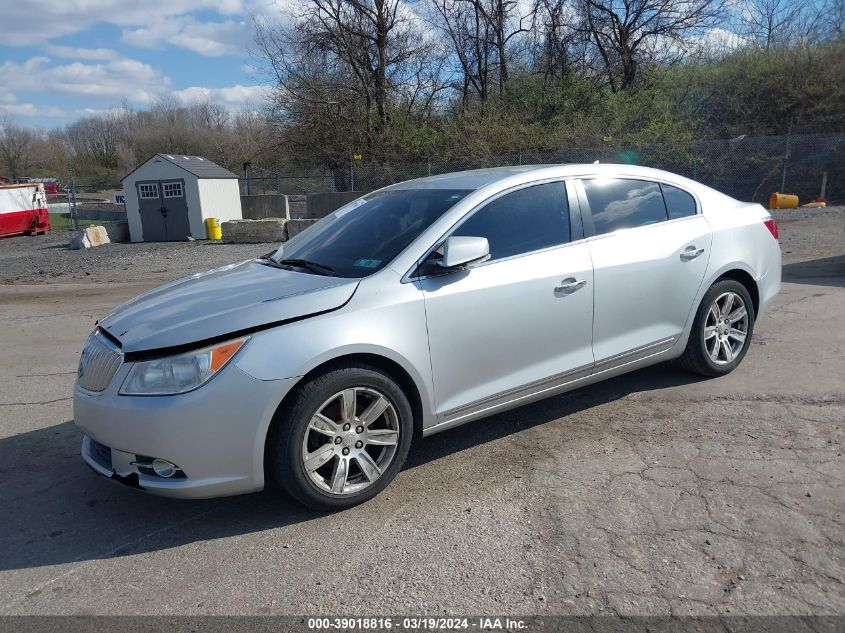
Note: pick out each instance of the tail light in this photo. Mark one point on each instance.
(772, 226)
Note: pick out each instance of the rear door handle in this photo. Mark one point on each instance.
(570, 284)
(690, 253)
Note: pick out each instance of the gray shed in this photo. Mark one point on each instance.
(169, 197)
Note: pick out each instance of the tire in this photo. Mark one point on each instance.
(335, 438)
(698, 356)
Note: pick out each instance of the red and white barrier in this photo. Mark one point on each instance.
(23, 209)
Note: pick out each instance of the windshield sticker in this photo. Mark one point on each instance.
(367, 263)
(349, 207)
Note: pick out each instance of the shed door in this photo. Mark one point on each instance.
(175, 208)
(164, 212)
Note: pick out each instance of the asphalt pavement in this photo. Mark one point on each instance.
(653, 493)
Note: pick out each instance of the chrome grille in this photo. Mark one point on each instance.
(99, 362)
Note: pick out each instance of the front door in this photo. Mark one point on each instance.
(650, 250)
(520, 322)
(164, 211)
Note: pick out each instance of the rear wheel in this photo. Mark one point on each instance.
(721, 331)
(342, 438)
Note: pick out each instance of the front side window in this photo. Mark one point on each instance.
(522, 221)
(148, 191)
(619, 203)
(172, 189)
(367, 234)
(679, 203)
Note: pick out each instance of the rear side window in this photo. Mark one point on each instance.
(618, 203)
(523, 221)
(679, 203)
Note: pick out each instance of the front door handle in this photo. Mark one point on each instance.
(690, 253)
(570, 284)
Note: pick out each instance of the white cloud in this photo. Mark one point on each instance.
(95, 78)
(24, 22)
(73, 52)
(233, 97)
(718, 39)
(110, 80)
(32, 110)
(83, 112)
(144, 24)
(212, 39)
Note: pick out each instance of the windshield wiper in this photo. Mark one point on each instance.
(316, 267)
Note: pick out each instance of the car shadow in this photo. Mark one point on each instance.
(826, 271)
(500, 425)
(56, 511)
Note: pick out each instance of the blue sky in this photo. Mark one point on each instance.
(62, 59)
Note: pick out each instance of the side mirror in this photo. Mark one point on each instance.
(460, 251)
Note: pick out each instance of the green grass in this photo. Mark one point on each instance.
(63, 222)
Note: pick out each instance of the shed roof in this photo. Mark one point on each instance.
(196, 165)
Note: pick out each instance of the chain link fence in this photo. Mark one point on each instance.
(746, 168)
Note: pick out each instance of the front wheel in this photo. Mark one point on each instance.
(342, 438)
(721, 331)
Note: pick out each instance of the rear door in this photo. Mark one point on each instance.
(649, 247)
(519, 322)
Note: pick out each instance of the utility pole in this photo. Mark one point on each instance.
(247, 174)
(785, 160)
(72, 199)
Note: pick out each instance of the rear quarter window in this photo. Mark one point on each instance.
(679, 204)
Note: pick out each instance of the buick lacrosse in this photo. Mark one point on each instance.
(414, 309)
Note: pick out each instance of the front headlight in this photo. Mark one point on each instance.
(180, 373)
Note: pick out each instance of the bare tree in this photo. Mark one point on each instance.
(469, 37)
(16, 144)
(561, 46)
(342, 67)
(773, 22)
(627, 33)
(836, 10)
(481, 34)
(97, 137)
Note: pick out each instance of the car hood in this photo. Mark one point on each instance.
(222, 301)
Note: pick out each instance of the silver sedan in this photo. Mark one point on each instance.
(416, 308)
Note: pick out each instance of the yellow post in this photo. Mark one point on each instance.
(212, 227)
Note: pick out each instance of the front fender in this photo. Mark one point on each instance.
(395, 331)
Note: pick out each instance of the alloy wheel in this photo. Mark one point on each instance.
(350, 441)
(726, 328)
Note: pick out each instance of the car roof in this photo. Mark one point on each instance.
(477, 178)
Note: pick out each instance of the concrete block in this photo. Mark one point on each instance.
(266, 206)
(118, 231)
(297, 207)
(254, 231)
(295, 227)
(89, 237)
(319, 205)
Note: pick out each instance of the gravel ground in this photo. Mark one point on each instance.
(46, 258)
(655, 493)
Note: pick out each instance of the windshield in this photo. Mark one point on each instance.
(366, 235)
